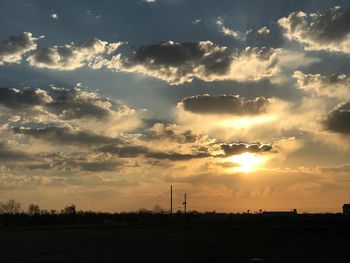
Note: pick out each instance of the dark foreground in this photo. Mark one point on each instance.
(195, 238)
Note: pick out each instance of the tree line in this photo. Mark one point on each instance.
(13, 207)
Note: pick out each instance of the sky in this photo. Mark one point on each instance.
(243, 105)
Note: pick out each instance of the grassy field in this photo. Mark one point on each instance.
(209, 241)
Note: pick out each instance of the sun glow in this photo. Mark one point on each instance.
(246, 162)
(247, 121)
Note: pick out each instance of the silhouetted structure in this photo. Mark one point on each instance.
(346, 209)
(185, 203)
(171, 199)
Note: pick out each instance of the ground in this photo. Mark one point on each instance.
(244, 240)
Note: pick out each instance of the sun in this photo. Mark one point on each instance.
(246, 162)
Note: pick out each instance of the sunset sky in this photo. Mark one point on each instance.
(240, 104)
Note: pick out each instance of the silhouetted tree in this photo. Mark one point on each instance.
(144, 211)
(33, 209)
(69, 210)
(11, 207)
(157, 209)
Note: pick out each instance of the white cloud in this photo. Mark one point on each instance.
(319, 31)
(72, 56)
(196, 21)
(241, 36)
(13, 48)
(337, 85)
(263, 31)
(178, 63)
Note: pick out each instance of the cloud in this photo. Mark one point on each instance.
(65, 135)
(98, 166)
(319, 31)
(338, 169)
(197, 21)
(338, 120)
(13, 48)
(336, 85)
(171, 132)
(136, 151)
(66, 104)
(72, 56)
(76, 103)
(173, 156)
(240, 36)
(74, 162)
(224, 104)
(238, 148)
(232, 117)
(263, 31)
(20, 98)
(178, 63)
(8, 154)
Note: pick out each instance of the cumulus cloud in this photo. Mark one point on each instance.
(54, 104)
(26, 97)
(336, 85)
(263, 31)
(224, 104)
(136, 151)
(338, 120)
(76, 103)
(197, 21)
(172, 132)
(319, 31)
(240, 36)
(65, 135)
(13, 48)
(178, 63)
(72, 56)
(238, 148)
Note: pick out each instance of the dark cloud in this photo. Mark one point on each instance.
(63, 135)
(178, 63)
(39, 166)
(97, 166)
(238, 148)
(338, 120)
(72, 56)
(329, 30)
(26, 97)
(225, 104)
(335, 85)
(76, 161)
(13, 48)
(170, 132)
(127, 151)
(136, 151)
(174, 156)
(184, 55)
(66, 103)
(8, 154)
(77, 104)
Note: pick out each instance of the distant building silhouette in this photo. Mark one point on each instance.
(346, 209)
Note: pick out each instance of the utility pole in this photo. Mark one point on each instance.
(171, 199)
(185, 203)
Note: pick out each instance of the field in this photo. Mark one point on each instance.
(215, 239)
